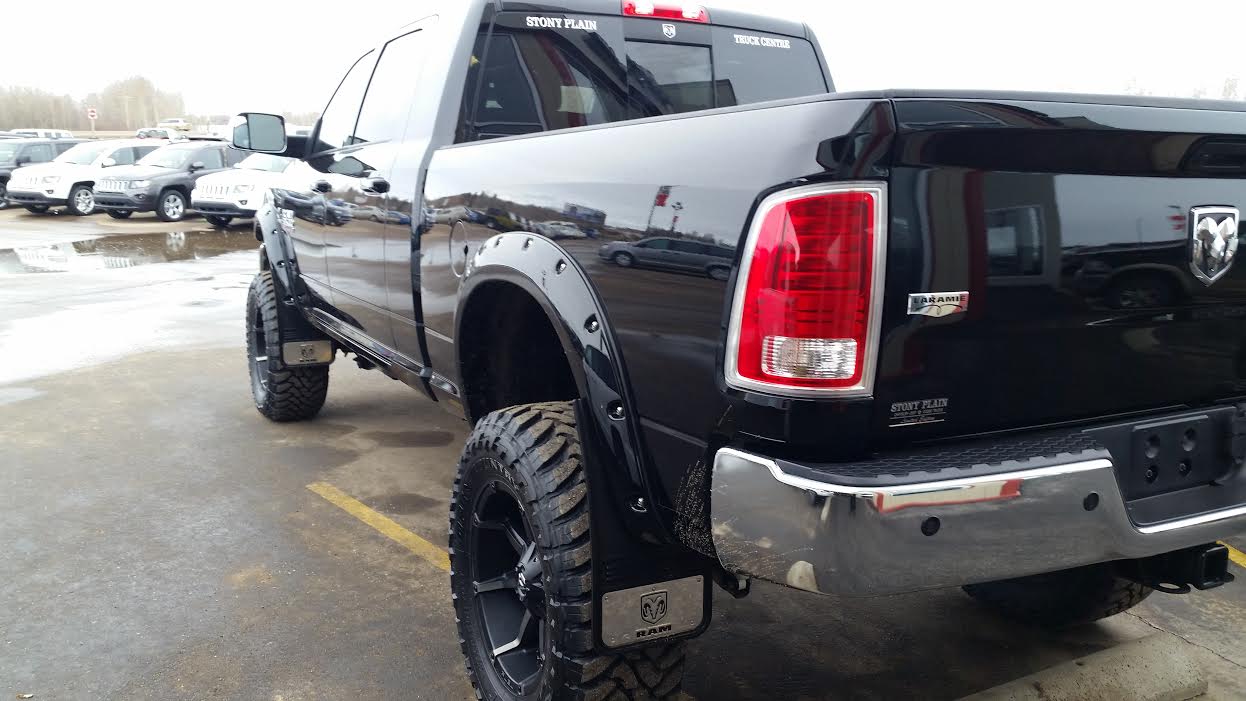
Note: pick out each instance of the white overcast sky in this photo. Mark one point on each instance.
(227, 56)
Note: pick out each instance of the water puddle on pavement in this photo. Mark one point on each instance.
(124, 251)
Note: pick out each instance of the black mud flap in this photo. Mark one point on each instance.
(644, 592)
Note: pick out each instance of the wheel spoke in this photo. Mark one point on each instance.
(519, 635)
(505, 581)
(513, 536)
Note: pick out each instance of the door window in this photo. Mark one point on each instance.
(656, 244)
(211, 158)
(337, 124)
(123, 156)
(234, 156)
(38, 153)
(390, 94)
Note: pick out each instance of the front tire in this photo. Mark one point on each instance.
(172, 206)
(624, 260)
(81, 200)
(288, 394)
(521, 568)
(1062, 599)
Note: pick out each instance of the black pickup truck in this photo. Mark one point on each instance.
(986, 340)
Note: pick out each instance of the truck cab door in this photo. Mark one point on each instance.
(303, 199)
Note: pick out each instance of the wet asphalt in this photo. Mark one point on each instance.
(158, 540)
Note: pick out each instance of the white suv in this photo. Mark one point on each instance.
(237, 192)
(69, 179)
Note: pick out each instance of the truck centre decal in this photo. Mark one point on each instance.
(588, 25)
(753, 40)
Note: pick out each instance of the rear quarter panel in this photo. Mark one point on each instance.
(668, 323)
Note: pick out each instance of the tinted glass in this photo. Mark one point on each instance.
(668, 78)
(125, 156)
(211, 158)
(506, 102)
(38, 153)
(657, 244)
(688, 247)
(234, 156)
(140, 151)
(385, 108)
(337, 124)
(753, 67)
(63, 147)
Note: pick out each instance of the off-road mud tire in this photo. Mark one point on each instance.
(535, 448)
(285, 394)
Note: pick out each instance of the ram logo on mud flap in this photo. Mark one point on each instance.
(653, 607)
(938, 304)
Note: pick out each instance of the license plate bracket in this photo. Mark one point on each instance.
(1175, 453)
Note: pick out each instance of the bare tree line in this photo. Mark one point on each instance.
(126, 104)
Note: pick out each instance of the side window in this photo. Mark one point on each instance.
(688, 247)
(62, 148)
(388, 102)
(657, 244)
(123, 156)
(506, 104)
(211, 158)
(337, 124)
(140, 151)
(539, 75)
(39, 153)
(234, 156)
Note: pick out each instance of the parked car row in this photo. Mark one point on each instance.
(170, 178)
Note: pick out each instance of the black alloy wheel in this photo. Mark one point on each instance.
(509, 592)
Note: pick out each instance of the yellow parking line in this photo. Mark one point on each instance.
(387, 526)
(1236, 555)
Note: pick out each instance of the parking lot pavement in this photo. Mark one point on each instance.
(161, 541)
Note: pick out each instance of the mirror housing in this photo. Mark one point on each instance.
(257, 131)
(109, 162)
(197, 165)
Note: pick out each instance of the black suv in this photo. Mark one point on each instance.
(15, 153)
(162, 181)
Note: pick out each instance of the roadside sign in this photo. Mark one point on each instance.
(92, 114)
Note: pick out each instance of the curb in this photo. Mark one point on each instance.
(1158, 667)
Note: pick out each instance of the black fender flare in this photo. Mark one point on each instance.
(552, 277)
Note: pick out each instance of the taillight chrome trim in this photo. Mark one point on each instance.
(865, 387)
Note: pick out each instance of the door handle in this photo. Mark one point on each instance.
(376, 186)
(321, 186)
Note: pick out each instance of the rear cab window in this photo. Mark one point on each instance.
(539, 71)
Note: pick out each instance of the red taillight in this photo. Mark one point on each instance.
(804, 319)
(685, 12)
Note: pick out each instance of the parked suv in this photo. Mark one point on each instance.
(663, 253)
(237, 192)
(44, 133)
(68, 180)
(162, 181)
(893, 388)
(16, 153)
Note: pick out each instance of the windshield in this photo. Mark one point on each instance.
(82, 154)
(264, 161)
(8, 152)
(167, 158)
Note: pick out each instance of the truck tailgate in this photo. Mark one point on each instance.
(1069, 229)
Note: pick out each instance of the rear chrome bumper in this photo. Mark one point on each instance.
(864, 541)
